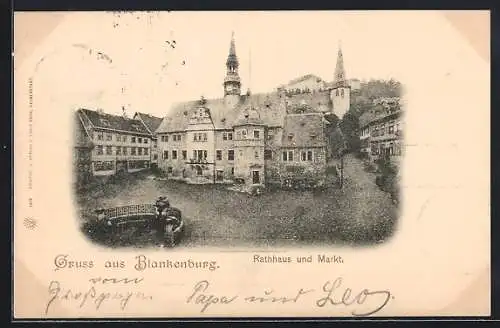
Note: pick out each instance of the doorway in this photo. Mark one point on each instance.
(255, 177)
(220, 175)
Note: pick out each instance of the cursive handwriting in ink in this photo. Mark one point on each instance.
(124, 281)
(198, 296)
(277, 299)
(349, 298)
(56, 292)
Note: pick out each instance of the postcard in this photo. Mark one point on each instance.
(251, 164)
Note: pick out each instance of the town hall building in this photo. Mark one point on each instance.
(252, 138)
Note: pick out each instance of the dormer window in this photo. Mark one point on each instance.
(290, 137)
(104, 122)
(244, 134)
(313, 136)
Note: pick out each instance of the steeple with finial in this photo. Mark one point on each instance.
(340, 77)
(340, 93)
(232, 83)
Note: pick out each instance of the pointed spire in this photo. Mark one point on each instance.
(232, 82)
(339, 68)
(232, 59)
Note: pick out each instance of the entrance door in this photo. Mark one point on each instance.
(255, 177)
(220, 175)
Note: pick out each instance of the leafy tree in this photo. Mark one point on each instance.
(350, 129)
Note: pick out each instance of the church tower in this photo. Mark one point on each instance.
(232, 83)
(340, 93)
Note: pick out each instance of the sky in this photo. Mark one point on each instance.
(146, 73)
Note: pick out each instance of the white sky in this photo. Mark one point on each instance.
(284, 45)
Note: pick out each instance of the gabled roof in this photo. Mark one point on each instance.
(152, 122)
(269, 106)
(303, 130)
(114, 122)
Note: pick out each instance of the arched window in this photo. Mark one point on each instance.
(342, 92)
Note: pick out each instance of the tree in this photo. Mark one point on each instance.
(349, 126)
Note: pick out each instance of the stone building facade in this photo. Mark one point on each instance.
(251, 138)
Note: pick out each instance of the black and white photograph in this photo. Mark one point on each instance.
(251, 164)
(239, 161)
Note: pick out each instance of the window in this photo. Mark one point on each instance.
(256, 155)
(100, 136)
(313, 136)
(290, 137)
(132, 151)
(232, 171)
(174, 154)
(219, 155)
(139, 140)
(165, 154)
(230, 136)
(99, 150)
(155, 156)
(238, 135)
(118, 150)
(145, 140)
(184, 155)
(139, 151)
(268, 154)
(162, 138)
(230, 155)
(109, 137)
(204, 137)
(285, 156)
(342, 92)
(244, 134)
(195, 137)
(309, 155)
(224, 136)
(124, 150)
(289, 156)
(170, 169)
(391, 129)
(109, 150)
(270, 135)
(337, 92)
(220, 175)
(118, 137)
(304, 156)
(256, 134)
(124, 139)
(145, 151)
(133, 140)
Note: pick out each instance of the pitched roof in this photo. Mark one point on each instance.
(303, 130)
(317, 101)
(114, 122)
(377, 113)
(305, 77)
(269, 105)
(151, 122)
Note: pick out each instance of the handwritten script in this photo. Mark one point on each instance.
(100, 291)
(332, 294)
